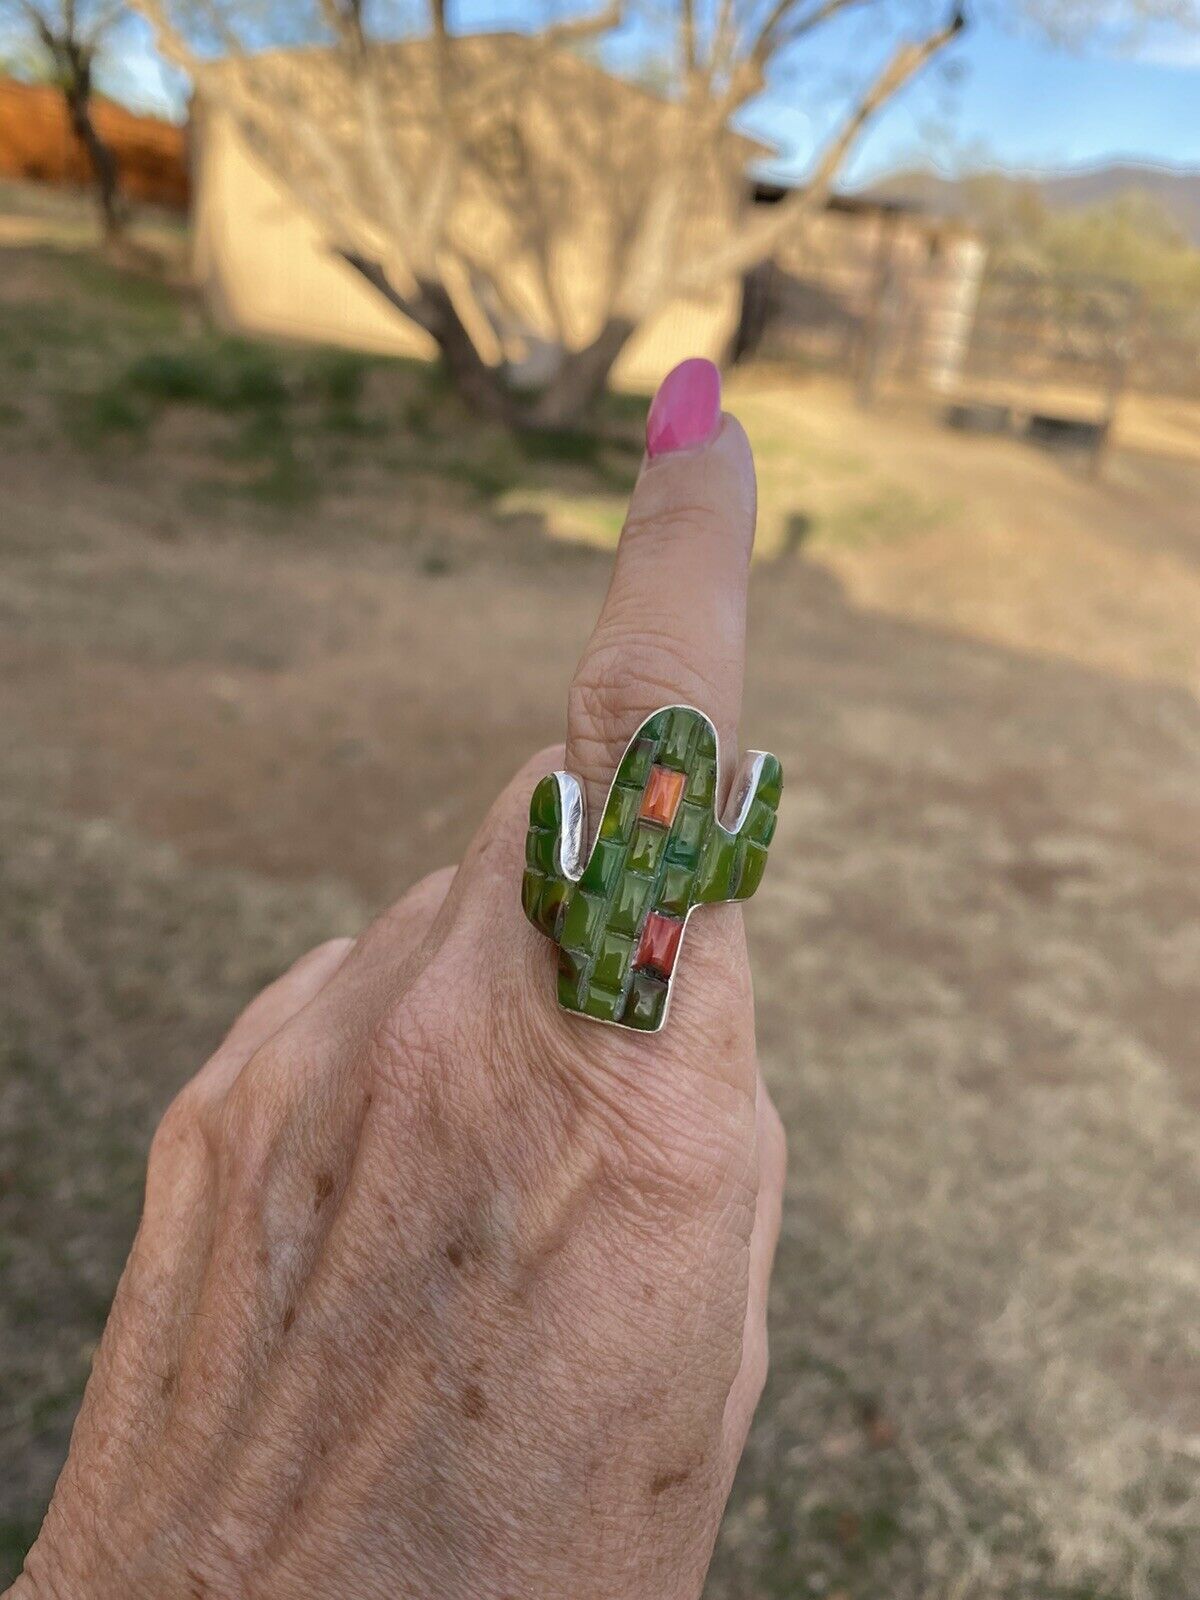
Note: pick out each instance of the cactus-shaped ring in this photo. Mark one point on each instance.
(660, 852)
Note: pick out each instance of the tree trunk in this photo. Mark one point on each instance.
(581, 379)
(482, 387)
(562, 404)
(103, 161)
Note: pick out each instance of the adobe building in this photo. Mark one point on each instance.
(265, 267)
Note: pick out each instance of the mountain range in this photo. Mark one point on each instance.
(1176, 188)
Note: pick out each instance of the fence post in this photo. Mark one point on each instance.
(1120, 355)
(881, 318)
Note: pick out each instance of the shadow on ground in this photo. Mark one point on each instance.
(276, 625)
(976, 956)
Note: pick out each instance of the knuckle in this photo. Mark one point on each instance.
(178, 1128)
(682, 519)
(270, 1096)
(409, 916)
(247, 1135)
(628, 674)
(676, 1153)
(180, 1150)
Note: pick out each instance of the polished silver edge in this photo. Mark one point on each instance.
(572, 836)
(741, 794)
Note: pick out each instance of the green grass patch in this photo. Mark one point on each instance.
(90, 420)
(115, 355)
(895, 514)
(336, 378)
(142, 300)
(231, 375)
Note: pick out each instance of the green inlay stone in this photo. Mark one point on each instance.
(539, 850)
(612, 963)
(552, 906)
(760, 823)
(637, 865)
(675, 894)
(619, 813)
(770, 783)
(719, 858)
(647, 847)
(584, 919)
(532, 885)
(702, 783)
(572, 980)
(753, 865)
(636, 763)
(688, 835)
(673, 752)
(630, 903)
(646, 1001)
(600, 874)
(645, 852)
(603, 1004)
(543, 807)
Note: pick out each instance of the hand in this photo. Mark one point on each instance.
(440, 1291)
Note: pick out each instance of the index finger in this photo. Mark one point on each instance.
(672, 629)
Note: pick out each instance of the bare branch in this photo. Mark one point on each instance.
(331, 203)
(754, 242)
(410, 306)
(458, 176)
(345, 20)
(907, 62)
(788, 28)
(724, 41)
(573, 30)
(346, 25)
(105, 19)
(687, 37)
(41, 26)
(779, 30)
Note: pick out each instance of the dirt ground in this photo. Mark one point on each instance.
(235, 722)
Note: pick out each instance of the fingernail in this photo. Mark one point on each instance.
(686, 411)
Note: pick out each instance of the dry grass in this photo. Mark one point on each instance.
(236, 722)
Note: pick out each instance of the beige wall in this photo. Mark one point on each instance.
(262, 266)
(263, 269)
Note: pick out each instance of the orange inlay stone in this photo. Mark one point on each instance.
(659, 943)
(664, 790)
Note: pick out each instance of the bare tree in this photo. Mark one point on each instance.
(67, 37)
(471, 180)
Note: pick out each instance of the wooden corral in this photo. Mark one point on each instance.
(38, 144)
(900, 301)
(865, 279)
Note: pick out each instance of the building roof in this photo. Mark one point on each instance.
(487, 63)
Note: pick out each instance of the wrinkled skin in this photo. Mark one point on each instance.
(439, 1291)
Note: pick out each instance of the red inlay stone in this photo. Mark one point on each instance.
(659, 943)
(664, 790)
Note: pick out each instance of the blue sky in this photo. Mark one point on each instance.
(1024, 102)
(1003, 96)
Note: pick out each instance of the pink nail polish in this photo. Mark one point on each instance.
(686, 411)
